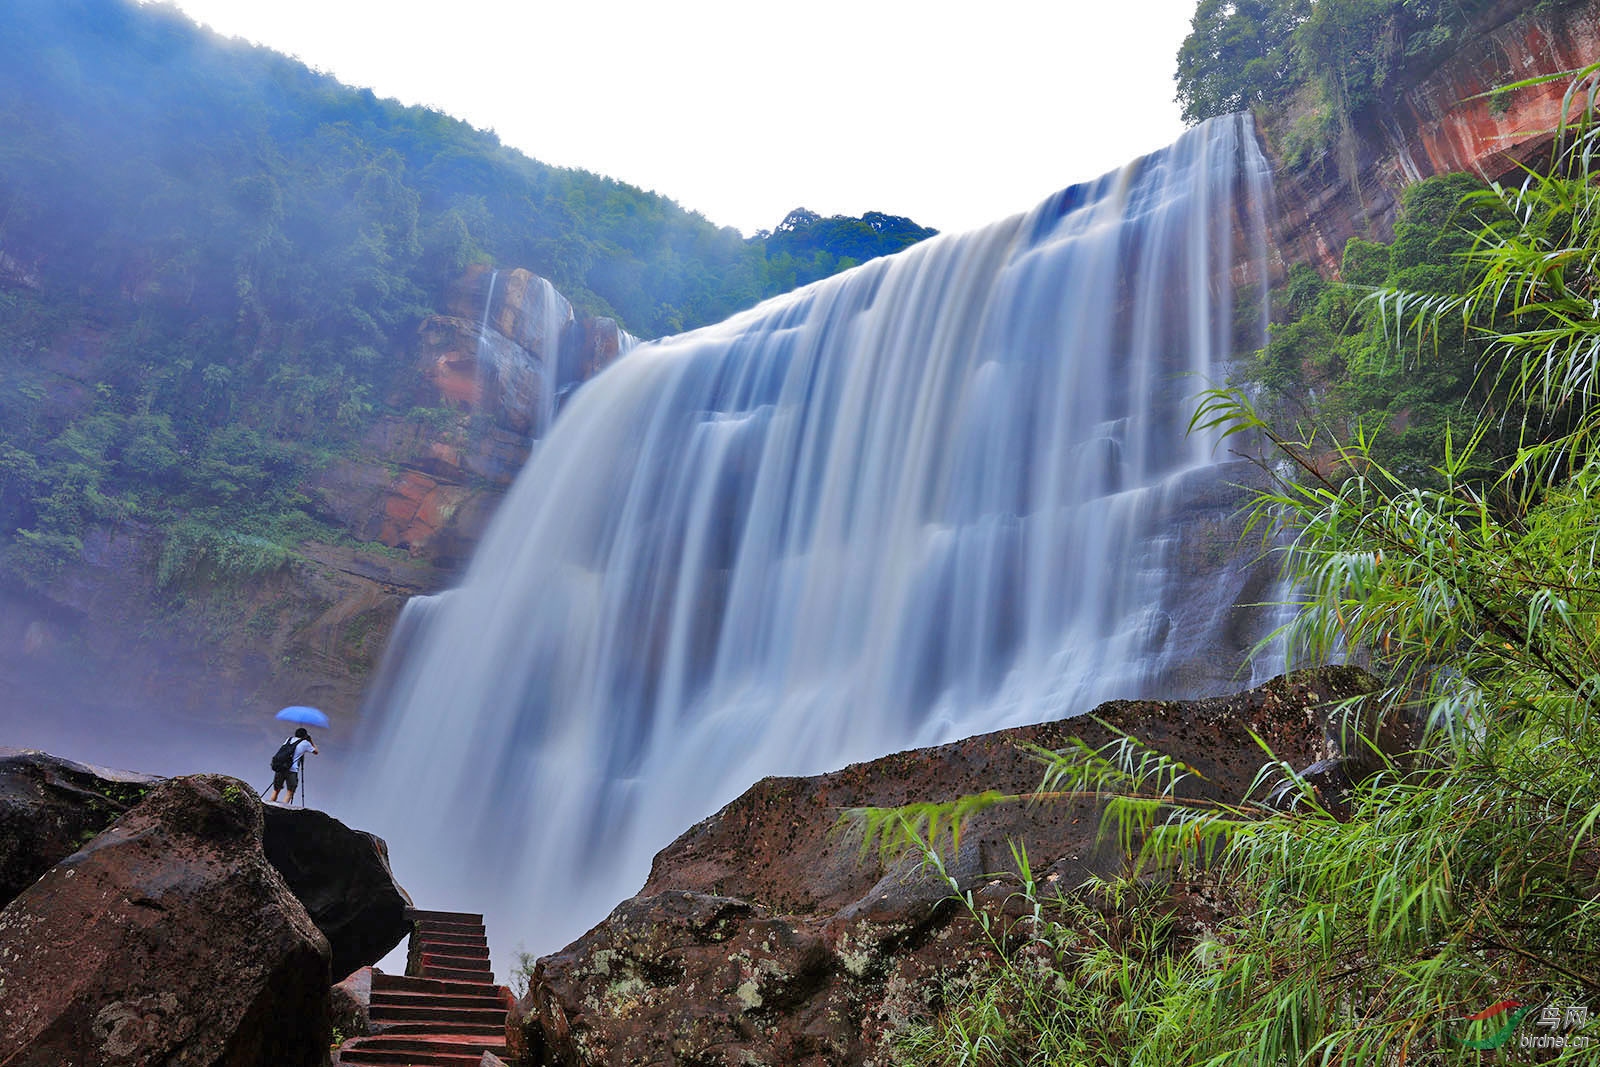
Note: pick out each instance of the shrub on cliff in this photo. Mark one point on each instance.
(1334, 344)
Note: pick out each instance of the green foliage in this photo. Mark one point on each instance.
(1338, 341)
(1082, 978)
(252, 246)
(806, 246)
(1458, 876)
(1338, 56)
(1238, 53)
(193, 548)
(522, 972)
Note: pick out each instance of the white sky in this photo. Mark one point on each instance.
(954, 115)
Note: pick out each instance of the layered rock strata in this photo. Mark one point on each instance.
(1439, 120)
(103, 642)
(487, 372)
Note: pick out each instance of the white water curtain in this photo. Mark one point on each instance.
(936, 495)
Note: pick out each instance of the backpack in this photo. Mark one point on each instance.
(283, 759)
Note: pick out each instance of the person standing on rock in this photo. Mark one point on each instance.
(287, 761)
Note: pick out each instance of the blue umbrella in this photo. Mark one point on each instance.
(301, 714)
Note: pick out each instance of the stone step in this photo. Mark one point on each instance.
(426, 1012)
(446, 1043)
(427, 930)
(454, 961)
(434, 1026)
(422, 915)
(456, 952)
(409, 983)
(422, 1051)
(452, 939)
(448, 1012)
(477, 974)
(355, 1055)
(388, 998)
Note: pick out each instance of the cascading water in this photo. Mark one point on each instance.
(486, 347)
(936, 495)
(553, 315)
(520, 348)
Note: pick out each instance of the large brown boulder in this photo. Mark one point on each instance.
(167, 939)
(342, 878)
(763, 935)
(49, 807)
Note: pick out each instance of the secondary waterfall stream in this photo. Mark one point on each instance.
(945, 492)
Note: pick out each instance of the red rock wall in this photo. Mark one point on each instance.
(1441, 122)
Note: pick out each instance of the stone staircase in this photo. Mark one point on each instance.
(446, 1011)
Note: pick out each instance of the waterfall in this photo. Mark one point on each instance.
(945, 492)
(519, 351)
(485, 346)
(554, 311)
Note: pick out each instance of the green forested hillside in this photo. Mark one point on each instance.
(213, 261)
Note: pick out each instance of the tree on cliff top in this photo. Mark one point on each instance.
(1238, 54)
(254, 245)
(1242, 54)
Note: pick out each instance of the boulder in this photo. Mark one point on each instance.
(50, 807)
(167, 939)
(350, 1005)
(342, 878)
(764, 935)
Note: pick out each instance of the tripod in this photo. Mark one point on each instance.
(302, 783)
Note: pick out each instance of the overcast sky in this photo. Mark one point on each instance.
(952, 114)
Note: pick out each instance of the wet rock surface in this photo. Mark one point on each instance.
(343, 879)
(763, 935)
(50, 807)
(166, 939)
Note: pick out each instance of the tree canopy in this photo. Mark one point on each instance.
(1242, 54)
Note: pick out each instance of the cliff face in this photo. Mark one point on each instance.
(104, 639)
(1440, 120)
(489, 371)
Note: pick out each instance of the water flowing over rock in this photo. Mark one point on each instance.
(939, 494)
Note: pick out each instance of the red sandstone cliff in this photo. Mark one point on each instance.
(1438, 120)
